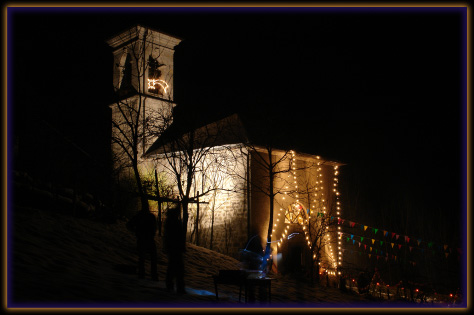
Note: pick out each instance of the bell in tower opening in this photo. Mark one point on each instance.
(156, 84)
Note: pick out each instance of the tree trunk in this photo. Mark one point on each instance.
(316, 263)
(197, 220)
(159, 203)
(143, 198)
(248, 195)
(189, 182)
(311, 238)
(185, 217)
(212, 219)
(271, 196)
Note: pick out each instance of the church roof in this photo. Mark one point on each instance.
(228, 130)
(232, 129)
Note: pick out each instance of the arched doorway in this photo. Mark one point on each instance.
(295, 251)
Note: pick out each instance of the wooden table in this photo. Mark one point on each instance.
(243, 278)
(259, 282)
(233, 277)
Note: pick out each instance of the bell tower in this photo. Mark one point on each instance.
(143, 62)
(143, 84)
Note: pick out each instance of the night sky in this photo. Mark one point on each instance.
(382, 90)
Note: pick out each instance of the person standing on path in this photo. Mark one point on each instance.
(144, 226)
(174, 245)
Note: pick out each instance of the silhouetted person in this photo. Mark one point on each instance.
(144, 226)
(363, 283)
(374, 280)
(174, 246)
(342, 282)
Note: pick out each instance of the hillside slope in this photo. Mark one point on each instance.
(60, 260)
(57, 258)
(63, 253)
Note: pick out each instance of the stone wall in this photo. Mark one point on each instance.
(230, 223)
(223, 209)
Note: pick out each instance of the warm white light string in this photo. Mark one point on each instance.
(338, 213)
(316, 190)
(330, 253)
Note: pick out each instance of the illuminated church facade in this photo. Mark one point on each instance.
(237, 190)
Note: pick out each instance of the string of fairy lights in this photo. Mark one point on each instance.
(284, 234)
(338, 213)
(317, 204)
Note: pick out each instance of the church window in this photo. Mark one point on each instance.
(296, 213)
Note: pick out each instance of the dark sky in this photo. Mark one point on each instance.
(379, 89)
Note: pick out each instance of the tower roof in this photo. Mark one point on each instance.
(138, 31)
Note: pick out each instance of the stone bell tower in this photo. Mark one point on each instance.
(143, 85)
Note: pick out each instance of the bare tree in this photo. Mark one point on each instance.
(272, 164)
(224, 183)
(321, 220)
(192, 155)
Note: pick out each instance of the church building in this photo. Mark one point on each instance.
(241, 187)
